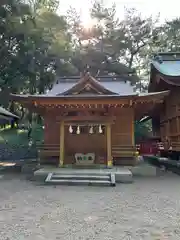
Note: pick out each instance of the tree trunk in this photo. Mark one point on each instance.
(30, 117)
(131, 60)
(12, 124)
(39, 119)
(12, 108)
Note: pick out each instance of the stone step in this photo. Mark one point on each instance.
(102, 177)
(123, 149)
(79, 181)
(120, 151)
(106, 179)
(122, 174)
(83, 173)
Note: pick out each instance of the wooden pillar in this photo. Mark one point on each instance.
(109, 146)
(132, 129)
(168, 128)
(61, 155)
(136, 153)
(177, 123)
(178, 129)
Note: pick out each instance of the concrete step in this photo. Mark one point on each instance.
(122, 174)
(123, 152)
(79, 181)
(123, 149)
(93, 177)
(83, 173)
(106, 179)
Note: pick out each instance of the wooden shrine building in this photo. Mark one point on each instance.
(165, 75)
(90, 121)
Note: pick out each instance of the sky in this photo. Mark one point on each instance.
(168, 9)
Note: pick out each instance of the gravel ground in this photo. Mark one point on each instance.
(146, 209)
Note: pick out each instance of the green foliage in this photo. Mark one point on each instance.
(20, 136)
(142, 130)
(29, 46)
(38, 5)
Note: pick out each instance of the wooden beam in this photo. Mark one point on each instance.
(81, 109)
(109, 150)
(177, 121)
(167, 128)
(61, 155)
(98, 119)
(70, 101)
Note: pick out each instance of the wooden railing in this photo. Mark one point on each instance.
(53, 150)
(175, 146)
(123, 151)
(48, 150)
(47, 153)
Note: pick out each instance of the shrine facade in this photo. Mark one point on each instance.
(90, 121)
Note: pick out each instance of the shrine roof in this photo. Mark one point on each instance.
(114, 85)
(101, 89)
(134, 96)
(4, 114)
(167, 63)
(167, 66)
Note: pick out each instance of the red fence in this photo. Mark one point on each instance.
(149, 148)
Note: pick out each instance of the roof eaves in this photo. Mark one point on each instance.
(160, 67)
(6, 114)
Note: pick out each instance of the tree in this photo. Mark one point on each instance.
(38, 5)
(168, 36)
(111, 45)
(128, 41)
(94, 47)
(14, 17)
(142, 130)
(36, 44)
(30, 49)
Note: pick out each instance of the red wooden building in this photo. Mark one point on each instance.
(165, 75)
(91, 121)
